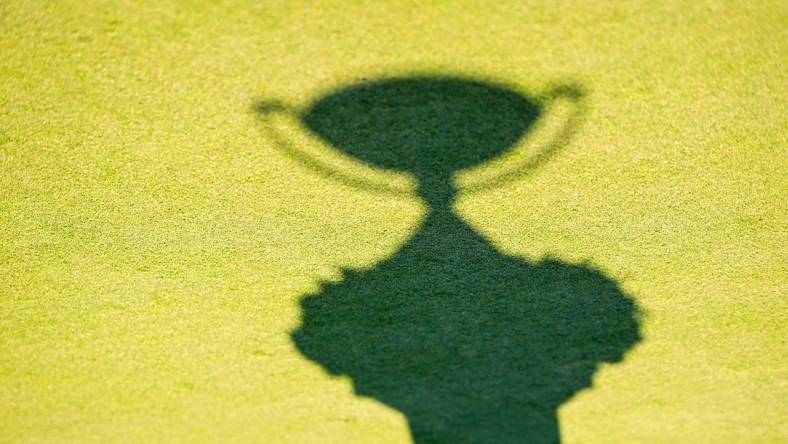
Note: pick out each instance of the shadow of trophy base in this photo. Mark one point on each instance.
(471, 345)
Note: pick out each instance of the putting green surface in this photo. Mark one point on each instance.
(158, 241)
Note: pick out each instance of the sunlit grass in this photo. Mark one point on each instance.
(155, 244)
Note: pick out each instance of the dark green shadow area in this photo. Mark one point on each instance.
(470, 344)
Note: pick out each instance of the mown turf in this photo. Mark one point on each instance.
(158, 245)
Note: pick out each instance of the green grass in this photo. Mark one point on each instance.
(158, 247)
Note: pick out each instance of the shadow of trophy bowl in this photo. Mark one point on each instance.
(469, 343)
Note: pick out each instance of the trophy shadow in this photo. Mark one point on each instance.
(469, 343)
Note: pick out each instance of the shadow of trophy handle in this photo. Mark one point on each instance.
(573, 93)
(269, 108)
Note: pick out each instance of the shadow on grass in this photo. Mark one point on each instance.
(470, 344)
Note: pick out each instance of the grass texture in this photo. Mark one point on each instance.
(179, 217)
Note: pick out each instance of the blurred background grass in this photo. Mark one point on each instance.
(154, 244)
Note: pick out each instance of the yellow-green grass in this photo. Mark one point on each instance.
(155, 243)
